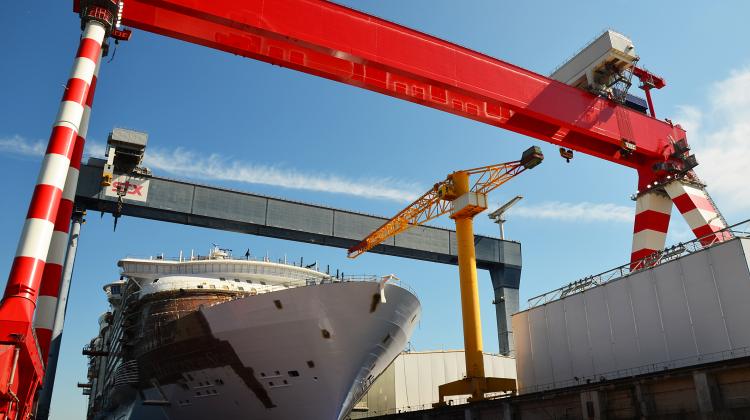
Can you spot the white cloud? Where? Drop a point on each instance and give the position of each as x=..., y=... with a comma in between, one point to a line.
x=720, y=138
x=575, y=212
x=186, y=163
x=19, y=146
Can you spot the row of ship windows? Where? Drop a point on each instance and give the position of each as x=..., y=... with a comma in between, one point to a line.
x=216, y=268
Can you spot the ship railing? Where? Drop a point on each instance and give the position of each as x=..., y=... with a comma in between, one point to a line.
x=243, y=287
x=739, y=230
x=700, y=359
x=372, y=278
x=283, y=261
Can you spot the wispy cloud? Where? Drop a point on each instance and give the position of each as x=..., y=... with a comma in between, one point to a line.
x=187, y=163
x=19, y=146
x=575, y=212
x=719, y=135
x=215, y=167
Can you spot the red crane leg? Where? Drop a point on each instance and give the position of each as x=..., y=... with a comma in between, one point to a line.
x=50, y=287
x=652, y=213
x=19, y=302
x=699, y=212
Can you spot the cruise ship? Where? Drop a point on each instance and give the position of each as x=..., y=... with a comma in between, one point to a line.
x=219, y=337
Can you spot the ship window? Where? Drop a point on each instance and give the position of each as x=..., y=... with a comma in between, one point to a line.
x=213, y=287
x=278, y=373
x=293, y=373
x=310, y=364
x=263, y=374
x=326, y=333
x=198, y=393
x=200, y=286
x=241, y=288
x=222, y=278
x=263, y=283
x=285, y=382
x=270, y=383
x=249, y=281
x=237, y=280
x=278, y=306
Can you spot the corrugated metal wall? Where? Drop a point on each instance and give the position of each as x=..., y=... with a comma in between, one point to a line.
x=685, y=312
x=411, y=381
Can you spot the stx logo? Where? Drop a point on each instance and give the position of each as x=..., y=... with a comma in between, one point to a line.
x=128, y=188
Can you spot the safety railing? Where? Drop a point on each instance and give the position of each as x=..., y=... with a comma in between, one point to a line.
x=741, y=229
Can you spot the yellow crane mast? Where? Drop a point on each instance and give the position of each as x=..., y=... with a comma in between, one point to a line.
x=455, y=195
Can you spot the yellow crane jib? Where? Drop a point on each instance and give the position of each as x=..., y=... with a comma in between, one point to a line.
x=442, y=198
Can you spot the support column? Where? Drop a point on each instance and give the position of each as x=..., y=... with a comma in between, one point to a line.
x=699, y=211
x=467, y=268
x=593, y=405
x=50, y=286
x=652, y=213
x=506, y=281
x=45, y=397
x=25, y=277
x=22, y=289
x=704, y=394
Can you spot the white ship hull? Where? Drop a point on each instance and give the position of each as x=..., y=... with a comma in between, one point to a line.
x=301, y=353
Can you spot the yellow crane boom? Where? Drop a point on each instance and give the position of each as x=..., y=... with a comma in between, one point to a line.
x=439, y=200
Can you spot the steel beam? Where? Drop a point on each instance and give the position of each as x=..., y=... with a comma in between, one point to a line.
x=342, y=44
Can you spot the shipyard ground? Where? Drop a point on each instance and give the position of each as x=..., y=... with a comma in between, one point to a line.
x=719, y=390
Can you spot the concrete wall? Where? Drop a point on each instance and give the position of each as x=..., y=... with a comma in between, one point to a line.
x=685, y=312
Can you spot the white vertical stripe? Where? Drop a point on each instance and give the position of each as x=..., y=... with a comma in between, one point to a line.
x=94, y=30
x=677, y=188
x=35, y=239
x=70, y=112
x=71, y=183
x=54, y=170
x=57, y=247
x=649, y=239
x=45, y=312
x=698, y=217
x=654, y=202
x=83, y=68
x=83, y=130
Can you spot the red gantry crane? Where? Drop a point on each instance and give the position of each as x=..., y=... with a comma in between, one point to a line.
x=455, y=195
x=332, y=41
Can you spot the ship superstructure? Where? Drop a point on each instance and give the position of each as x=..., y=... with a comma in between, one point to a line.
x=217, y=336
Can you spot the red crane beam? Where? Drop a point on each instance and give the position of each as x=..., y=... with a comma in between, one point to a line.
x=332, y=41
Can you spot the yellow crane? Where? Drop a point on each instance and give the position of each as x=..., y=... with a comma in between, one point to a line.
x=455, y=195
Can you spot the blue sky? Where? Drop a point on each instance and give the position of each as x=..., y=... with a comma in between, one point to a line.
x=230, y=121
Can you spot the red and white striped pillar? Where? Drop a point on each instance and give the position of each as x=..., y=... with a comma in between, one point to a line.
x=652, y=213
x=25, y=276
x=49, y=289
x=699, y=211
